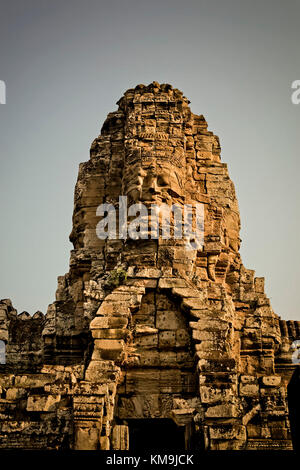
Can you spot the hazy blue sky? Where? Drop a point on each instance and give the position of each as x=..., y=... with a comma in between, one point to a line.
x=66, y=63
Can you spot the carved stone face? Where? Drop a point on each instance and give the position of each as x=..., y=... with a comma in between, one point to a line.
x=154, y=181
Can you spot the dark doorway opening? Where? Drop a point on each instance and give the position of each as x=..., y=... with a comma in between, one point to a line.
x=294, y=407
x=155, y=434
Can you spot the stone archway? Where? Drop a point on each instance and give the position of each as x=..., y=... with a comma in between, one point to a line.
x=159, y=391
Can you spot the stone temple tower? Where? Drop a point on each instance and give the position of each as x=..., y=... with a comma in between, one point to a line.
x=152, y=344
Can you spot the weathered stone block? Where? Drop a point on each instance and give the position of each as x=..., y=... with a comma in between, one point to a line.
x=271, y=381
x=15, y=393
x=146, y=341
x=222, y=411
x=222, y=365
x=212, y=394
x=110, y=333
x=149, y=358
x=249, y=390
x=167, y=283
x=167, y=358
x=167, y=339
x=87, y=438
x=40, y=403
x=108, y=322
x=169, y=320
x=120, y=437
x=110, y=349
x=229, y=431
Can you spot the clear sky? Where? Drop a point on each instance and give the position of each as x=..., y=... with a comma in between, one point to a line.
x=66, y=63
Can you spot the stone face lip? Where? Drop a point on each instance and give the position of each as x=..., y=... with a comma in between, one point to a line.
x=144, y=330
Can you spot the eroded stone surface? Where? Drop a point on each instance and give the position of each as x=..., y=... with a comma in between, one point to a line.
x=188, y=335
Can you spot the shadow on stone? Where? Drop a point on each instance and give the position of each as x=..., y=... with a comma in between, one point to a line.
x=294, y=408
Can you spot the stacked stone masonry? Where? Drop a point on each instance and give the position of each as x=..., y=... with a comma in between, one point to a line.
x=185, y=335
